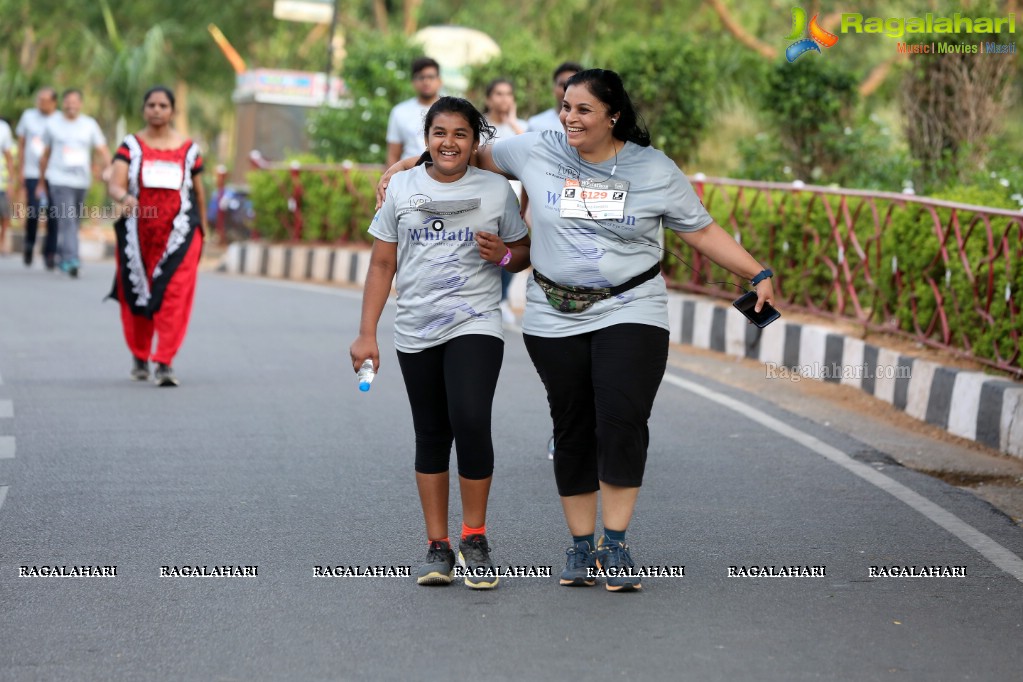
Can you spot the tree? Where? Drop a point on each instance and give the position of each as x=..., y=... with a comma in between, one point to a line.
x=376, y=73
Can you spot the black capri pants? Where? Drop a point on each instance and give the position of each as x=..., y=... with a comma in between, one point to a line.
x=601, y=388
x=451, y=391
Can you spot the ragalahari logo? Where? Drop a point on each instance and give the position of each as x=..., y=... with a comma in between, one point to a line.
x=818, y=36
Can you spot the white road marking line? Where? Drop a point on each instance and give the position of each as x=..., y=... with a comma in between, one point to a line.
x=6, y=447
x=988, y=548
x=3, y=495
x=6, y=409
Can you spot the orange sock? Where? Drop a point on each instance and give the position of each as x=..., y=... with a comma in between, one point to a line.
x=466, y=531
x=446, y=541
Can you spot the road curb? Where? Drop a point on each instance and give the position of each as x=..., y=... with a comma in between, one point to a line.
x=973, y=405
x=976, y=406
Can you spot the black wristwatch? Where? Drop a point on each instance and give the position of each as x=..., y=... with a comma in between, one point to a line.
x=761, y=276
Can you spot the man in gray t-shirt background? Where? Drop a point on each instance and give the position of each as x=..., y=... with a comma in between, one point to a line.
x=66, y=168
x=549, y=119
x=405, y=124
x=30, y=131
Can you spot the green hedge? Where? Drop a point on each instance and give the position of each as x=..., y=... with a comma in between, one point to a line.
x=892, y=272
x=337, y=206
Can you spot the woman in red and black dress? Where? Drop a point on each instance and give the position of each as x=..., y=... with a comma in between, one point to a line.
x=159, y=239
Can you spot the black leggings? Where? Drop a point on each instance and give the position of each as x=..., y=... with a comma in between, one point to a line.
x=601, y=388
x=451, y=391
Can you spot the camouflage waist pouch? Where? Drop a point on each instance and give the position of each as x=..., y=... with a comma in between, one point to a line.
x=572, y=299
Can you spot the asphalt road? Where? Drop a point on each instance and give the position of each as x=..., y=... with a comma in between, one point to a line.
x=268, y=456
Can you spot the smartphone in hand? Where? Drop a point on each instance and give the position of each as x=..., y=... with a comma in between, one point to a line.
x=748, y=301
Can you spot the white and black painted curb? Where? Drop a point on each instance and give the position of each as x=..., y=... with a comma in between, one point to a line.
x=980, y=407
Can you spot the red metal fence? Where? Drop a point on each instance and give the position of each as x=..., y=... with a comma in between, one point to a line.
x=944, y=274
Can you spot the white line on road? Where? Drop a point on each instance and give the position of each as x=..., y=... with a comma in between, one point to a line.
x=6, y=447
x=988, y=548
x=3, y=495
x=6, y=409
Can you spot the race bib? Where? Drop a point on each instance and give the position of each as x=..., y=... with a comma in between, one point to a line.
x=604, y=200
x=36, y=146
x=75, y=156
x=162, y=175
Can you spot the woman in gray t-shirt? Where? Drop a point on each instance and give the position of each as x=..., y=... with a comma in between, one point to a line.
x=447, y=229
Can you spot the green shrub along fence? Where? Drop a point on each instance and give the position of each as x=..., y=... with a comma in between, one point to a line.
x=945, y=271
x=314, y=202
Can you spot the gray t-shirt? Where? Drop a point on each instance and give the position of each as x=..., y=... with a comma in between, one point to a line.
x=444, y=288
x=504, y=130
x=545, y=120
x=405, y=125
x=598, y=253
x=31, y=126
x=71, y=144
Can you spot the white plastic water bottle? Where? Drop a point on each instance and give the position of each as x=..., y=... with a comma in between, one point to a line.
x=366, y=374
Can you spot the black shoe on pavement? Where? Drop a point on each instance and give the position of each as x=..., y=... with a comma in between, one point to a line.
x=164, y=375
x=474, y=558
x=440, y=563
x=139, y=369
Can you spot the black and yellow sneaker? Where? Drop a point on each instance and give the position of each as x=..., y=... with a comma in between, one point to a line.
x=615, y=563
x=440, y=563
x=474, y=558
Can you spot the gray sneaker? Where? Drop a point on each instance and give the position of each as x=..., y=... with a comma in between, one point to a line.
x=139, y=369
x=615, y=561
x=164, y=376
x=580, y=566
x=474, y=558
x=440, y=563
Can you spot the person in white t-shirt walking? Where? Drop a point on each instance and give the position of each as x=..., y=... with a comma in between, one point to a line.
x=405, y=124
x=30, y=131
x=65, y=170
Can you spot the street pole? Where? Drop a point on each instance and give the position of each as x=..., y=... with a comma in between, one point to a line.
x=330, y=49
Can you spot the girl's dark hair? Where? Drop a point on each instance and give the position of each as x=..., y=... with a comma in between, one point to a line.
x=608, y=88
x=490, y=90
x=155, y=89
x=482, y=131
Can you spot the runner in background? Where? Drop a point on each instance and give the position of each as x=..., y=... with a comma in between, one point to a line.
x=549, y=119
x=72, y=141
x=30, y=131
x=159, y=239
x=405, y=124
x=500, y=112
